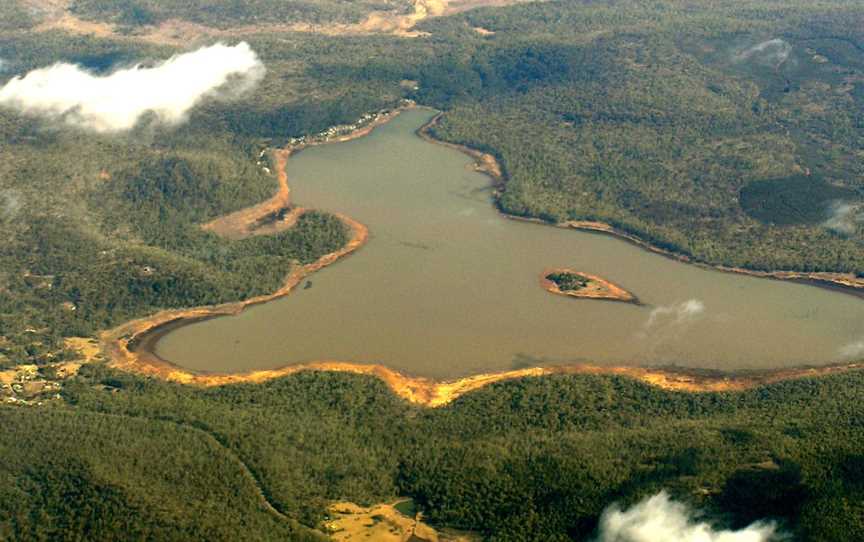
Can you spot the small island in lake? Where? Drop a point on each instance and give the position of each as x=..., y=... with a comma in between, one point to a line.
x=577, y=284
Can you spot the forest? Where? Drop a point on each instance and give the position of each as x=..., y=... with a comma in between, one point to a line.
x=568, y=282
x=532, y=459
x=727, y=132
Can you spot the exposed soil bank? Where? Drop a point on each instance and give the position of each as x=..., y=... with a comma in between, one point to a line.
x=484, y=162
x=596, y=287
x=242, y=223
x=56, y=15
x=254, y=220
x=429, y=393
x=383, y=523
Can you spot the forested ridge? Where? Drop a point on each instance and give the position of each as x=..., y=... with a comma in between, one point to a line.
x=673, y=120
x=533, y=459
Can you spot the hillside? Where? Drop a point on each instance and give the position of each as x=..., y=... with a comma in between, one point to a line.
x=534, y=459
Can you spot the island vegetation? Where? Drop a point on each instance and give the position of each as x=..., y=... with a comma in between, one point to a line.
x=568, y=281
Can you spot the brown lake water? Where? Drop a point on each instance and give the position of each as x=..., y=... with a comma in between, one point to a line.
x=447, y=287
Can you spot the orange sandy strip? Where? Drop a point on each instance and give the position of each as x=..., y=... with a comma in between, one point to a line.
x=430, y=393
x=239, y=224
x=598, y=287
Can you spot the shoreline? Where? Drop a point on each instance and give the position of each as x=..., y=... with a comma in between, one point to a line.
x=430, y=393
x=254, y=220
x=129, y=346
x=488, y=164
x=841, y=282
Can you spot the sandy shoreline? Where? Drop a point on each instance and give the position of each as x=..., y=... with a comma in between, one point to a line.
x=127, y=347
x=430, y=393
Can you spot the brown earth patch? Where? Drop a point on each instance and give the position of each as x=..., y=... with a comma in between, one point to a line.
x=88, y=350
x=381, y=523
x=458, y=6
x=55, y=16
x=74, y=25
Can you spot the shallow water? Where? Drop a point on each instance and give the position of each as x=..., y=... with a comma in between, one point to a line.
x=448, y=287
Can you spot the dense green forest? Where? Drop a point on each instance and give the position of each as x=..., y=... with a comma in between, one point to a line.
x=535, y=459
x=731, y=132
x=568, y=282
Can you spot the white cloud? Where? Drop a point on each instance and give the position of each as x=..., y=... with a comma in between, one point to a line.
x=845, y=217
x=660, y=519
x=116, y=102
x=676, y=314
x=772, y=52
x=10, y=203
x=853, y=350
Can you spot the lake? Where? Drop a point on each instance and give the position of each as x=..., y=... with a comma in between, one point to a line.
x=448, y=287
